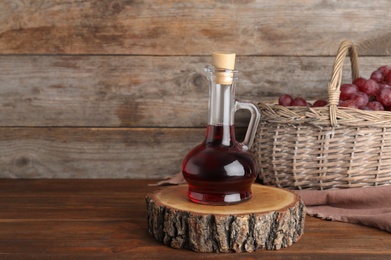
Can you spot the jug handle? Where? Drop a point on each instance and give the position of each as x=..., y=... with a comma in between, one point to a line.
x=253, y=124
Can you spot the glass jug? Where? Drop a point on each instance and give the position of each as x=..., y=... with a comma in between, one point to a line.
x=221, y=170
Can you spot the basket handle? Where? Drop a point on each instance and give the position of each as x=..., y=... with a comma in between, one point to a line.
x=336, y=77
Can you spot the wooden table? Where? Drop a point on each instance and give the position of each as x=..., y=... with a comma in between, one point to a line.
x=106, y=219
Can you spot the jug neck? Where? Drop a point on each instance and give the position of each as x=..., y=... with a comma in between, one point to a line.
x=221, y=95
x=221, y=106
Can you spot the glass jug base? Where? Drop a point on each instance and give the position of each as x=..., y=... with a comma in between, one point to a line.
x=218, y=198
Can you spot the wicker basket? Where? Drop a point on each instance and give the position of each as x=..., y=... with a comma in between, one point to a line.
x=324, y=147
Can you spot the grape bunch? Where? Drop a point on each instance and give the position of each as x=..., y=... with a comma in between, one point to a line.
x=368, y=94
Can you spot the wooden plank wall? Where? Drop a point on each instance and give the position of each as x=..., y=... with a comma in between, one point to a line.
x=115, y=88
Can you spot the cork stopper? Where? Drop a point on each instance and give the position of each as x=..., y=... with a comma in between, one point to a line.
x=223, y=60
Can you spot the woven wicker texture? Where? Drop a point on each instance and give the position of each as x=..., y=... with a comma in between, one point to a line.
x=324, y=147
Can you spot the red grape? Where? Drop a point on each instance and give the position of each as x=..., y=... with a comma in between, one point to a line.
x=385, y=69
x=348, y=91
x=370, y=87
x=320, y=103
x=359, y=82
x=377, y=76
x=301, y=102
x=361, y=99
x=348, y=103
x=384, y=96
x=387, y=78
x=285, y=100
x=384, y=85
x=374, y=106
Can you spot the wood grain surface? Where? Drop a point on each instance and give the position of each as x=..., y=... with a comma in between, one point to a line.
x=107, y=219
x=95, y=152
x=155, y=27
x=138, y=91
x=118, y=64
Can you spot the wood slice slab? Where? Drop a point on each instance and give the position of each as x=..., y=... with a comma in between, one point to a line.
x=272, y=219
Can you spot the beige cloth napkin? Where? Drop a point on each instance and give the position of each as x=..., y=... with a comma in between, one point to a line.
x=370, y=206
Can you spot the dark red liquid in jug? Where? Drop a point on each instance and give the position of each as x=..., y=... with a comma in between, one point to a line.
x=219, y=171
